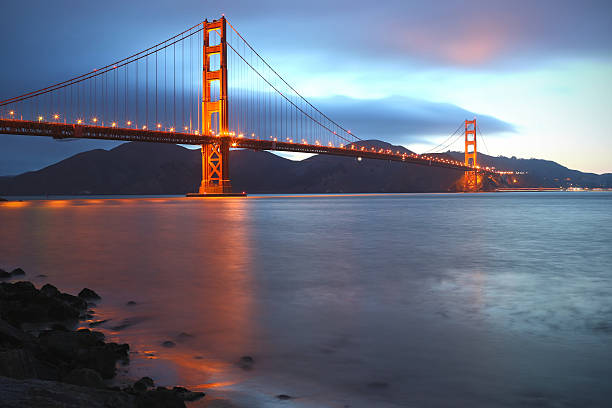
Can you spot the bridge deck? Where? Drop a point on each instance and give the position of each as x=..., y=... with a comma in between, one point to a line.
x=70, y=131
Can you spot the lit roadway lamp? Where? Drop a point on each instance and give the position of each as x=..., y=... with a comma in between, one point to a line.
x=12, y=113
x=129, y=123
x=95, y=120
x=40, y=118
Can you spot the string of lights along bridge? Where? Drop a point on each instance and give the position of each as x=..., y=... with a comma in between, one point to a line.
x=204, y=86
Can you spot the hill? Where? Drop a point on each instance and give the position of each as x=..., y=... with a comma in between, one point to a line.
x=147, y=168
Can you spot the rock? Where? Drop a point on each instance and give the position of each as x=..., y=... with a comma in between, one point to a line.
x=83, y=349
x=246, y=362
x=97, y=323
x=159, y=398
x=247, y=359
x=49, y=290
x=21, y=302
x=186, y=395
x=283, y=397
x=18, y=272
x=11, y=336
x=87, y=293
x=17, y=363
x=52, y=394
x=22, y=363
x=4, y=274
x=84, y=377
x=41, y=276
x=131, y=303
x=143, y=385
x=168, y=344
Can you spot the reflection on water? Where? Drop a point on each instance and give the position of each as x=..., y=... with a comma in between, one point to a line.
x=349, y=300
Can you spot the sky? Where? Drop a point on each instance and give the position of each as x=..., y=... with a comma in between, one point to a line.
x=536, y=74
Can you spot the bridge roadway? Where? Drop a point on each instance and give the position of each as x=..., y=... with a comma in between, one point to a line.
x=73, y=131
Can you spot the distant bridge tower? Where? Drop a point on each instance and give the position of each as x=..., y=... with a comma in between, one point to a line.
x=215, y=156
x=471, y=177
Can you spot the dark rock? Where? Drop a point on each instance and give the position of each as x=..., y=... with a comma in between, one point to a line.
x=84, y=377
x=23, y=363
x=52, y=394
x=142, y=385
x=49, y=290
x=131, y=303
x=4, y=274
x=168, y=343
x=283, y=397
x=159, y=398
x=18, y=272
x=87, y=293
x=11, y=336
x=59, y=327
x=73, y=301
x=246, y=362
x=97, y=323
x=247, y=359
x=186, y=395
x=41, y=276
x=83, y=349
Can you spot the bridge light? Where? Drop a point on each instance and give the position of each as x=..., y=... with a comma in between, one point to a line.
x=186, y=128
x=159, y=125
x=40, y=118
x=95, y=120
x=252, y=134
x=197, y=132
x=11, y=113
x=129, y=123
x=113, y=124
x=79, y=121
x=172, y=129
x=144, y=127
x=56, y=116
x=234, y=144
x=241, y=135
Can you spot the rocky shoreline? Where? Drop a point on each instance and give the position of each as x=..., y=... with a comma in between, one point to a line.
x=45, y=364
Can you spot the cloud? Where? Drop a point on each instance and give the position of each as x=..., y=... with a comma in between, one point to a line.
x=403, y=120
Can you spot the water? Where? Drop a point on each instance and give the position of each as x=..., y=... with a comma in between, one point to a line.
x=433, y=300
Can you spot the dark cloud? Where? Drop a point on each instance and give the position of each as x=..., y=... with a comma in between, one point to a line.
x=403, y=120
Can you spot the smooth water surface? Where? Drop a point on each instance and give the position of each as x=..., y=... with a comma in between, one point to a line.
x=433, y=300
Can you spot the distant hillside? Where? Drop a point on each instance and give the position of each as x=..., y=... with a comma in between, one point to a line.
x=147, y=168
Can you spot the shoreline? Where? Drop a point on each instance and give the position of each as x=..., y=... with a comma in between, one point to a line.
x=44, y=361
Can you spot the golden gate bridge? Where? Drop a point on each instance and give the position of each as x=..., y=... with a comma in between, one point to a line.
x=205, y=86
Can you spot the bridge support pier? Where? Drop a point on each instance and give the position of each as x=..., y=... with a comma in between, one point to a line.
x=215, y=168
x=215, y=171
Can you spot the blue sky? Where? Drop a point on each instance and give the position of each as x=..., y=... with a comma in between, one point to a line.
x=538, y=74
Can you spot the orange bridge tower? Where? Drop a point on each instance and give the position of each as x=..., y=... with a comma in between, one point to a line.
x=471, y=154
x=215, y=156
